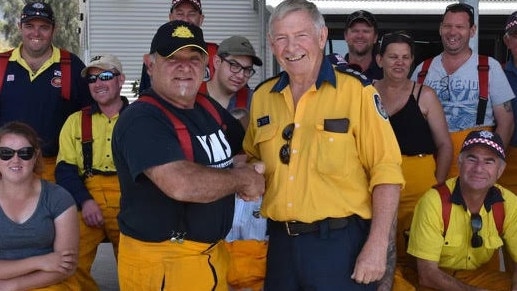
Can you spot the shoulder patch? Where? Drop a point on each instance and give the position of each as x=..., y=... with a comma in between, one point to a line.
x=378, y=105
x=345, y=68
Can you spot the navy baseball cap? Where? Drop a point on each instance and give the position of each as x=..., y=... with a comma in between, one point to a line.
x=175, y=35
x=488, y=139
x=38, y=10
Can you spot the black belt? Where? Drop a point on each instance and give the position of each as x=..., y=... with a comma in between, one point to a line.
x=101, y=173
x=295, y=228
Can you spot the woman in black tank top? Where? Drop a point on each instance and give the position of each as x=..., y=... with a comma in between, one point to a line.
x=418, y=121
x=415, y=113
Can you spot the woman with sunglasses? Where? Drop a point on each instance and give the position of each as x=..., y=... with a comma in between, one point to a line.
x=419, y=124
x=39, y=234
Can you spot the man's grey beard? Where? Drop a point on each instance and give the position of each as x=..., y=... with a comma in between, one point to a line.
x=183, y=89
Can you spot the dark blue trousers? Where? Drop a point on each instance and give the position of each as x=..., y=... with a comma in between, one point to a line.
x=318, y=261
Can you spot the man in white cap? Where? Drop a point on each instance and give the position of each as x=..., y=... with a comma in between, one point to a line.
x=85, y=164
x=173, y=150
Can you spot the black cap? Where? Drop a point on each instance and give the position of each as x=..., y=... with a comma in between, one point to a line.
x=175, y=35
x=39, y=10
x=361, y=15
x=195, y=3
x=489, y=139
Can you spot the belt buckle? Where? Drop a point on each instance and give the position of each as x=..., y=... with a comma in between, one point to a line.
x=289, y=230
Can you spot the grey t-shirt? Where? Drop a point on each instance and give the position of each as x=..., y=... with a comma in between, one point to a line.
x=36, y=235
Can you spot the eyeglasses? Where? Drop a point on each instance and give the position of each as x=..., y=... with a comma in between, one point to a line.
x=444, y=92
x=237, y=68
x=476, y=223
x=285, y=150
x=25, y=153
x=104, y=76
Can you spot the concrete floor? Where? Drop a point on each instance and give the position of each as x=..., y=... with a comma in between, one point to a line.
x=104, y=269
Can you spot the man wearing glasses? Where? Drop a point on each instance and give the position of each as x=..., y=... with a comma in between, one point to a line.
x=85, y=164
x=458, y=76
x=228, y=86
x=453, y=248
x=41, y=85
x=233, y=68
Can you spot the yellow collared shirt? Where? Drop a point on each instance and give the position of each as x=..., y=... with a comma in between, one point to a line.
x=332, y=172
x=70, y=142
x=54, y=58
x=454, y=251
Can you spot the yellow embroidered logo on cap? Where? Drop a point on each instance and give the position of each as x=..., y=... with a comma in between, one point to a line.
x=182, y=32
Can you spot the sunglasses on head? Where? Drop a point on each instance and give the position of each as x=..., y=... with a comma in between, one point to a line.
x=104, y=76
x=455, y=7
x=25, y=153
x=35, y=13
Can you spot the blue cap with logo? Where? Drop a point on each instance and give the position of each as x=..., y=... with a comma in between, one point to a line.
x=37, y=10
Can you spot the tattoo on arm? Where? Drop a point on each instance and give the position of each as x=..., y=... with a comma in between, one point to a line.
x=386, y=283
x=507, y=106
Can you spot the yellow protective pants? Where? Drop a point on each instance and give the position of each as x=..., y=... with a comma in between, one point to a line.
x=483, y=278
x=457, y=139
x=509, y=177
x=49, y=167
x=418, y=172
x=105, y=190
x=247, y=267
x=171, y=266
x=69, y=284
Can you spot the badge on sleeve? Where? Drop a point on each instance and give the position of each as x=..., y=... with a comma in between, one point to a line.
x=379, y=107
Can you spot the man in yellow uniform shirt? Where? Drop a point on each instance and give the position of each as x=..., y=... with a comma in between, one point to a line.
x=333, y=173
x=453, y=251
x=85, y=164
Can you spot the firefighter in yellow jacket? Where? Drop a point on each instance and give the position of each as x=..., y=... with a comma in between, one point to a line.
x=85, y=165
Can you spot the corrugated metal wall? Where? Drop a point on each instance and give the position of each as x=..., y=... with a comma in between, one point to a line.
x=125, y=28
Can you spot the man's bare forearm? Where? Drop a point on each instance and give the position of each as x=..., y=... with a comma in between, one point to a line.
x=190, y=182
x=386, y=283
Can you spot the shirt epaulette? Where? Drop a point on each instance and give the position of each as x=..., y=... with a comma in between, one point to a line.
x=344, y=68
